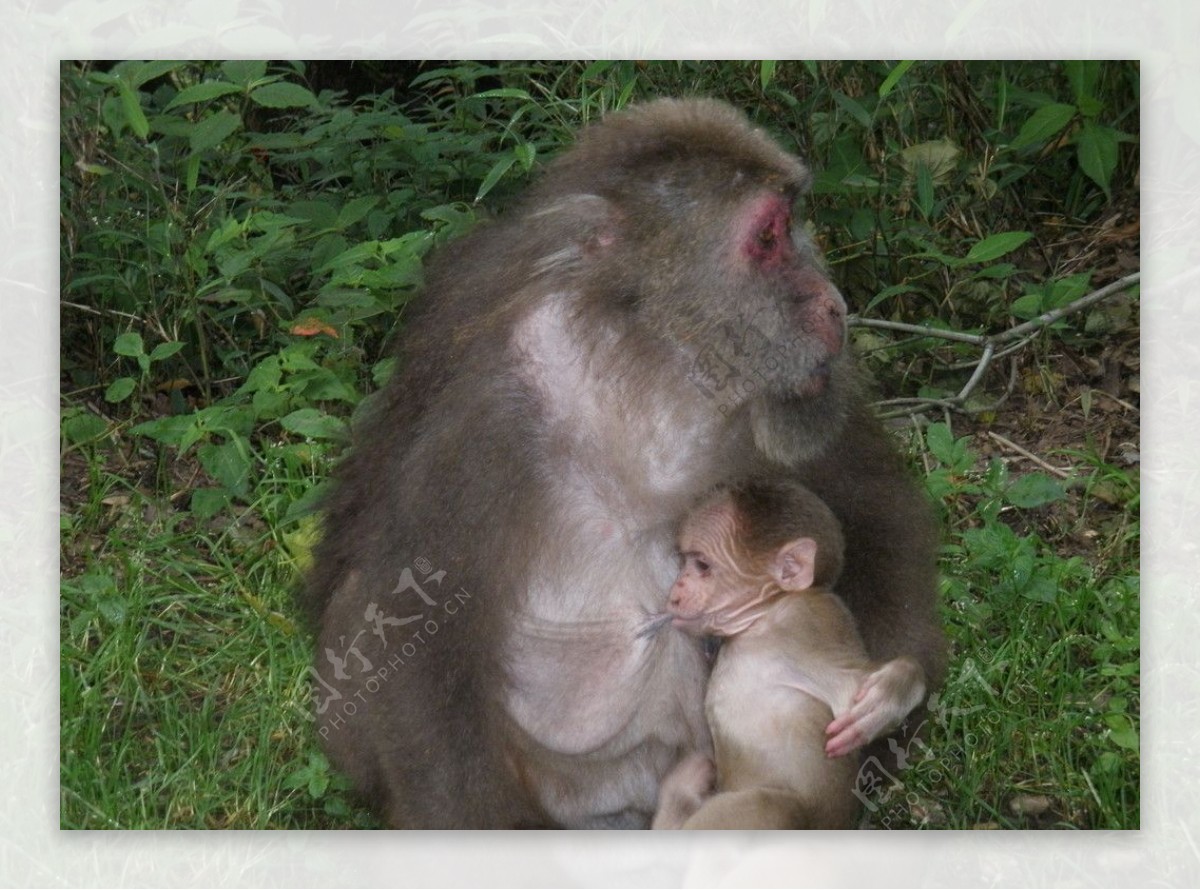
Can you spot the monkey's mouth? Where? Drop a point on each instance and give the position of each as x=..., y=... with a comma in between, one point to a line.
x=691, y=624
x=817, y=380
x=653, y=624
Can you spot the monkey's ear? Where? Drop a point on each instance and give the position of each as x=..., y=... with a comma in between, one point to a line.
x=590, y=223
x=794, y=566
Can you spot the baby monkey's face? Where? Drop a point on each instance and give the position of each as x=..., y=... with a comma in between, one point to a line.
x=717, y=581
x=721, y=587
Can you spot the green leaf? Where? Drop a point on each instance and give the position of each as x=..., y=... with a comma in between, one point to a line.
x=130, y=344
x=1041, y=589
x=269, y=404
x=356, y=210
x=1001, y=102
x=893, y=78
x=1026, y=307
x=939, y=156
x=120, y=389
x=208, y=502
x=308, y=504
x=96, y=585
x=321, y=214
x=148, y=71
x=382, y=370
x=995, y=246
x=860, y=181
x=134, y=116
x=168, y=430
x=525, y=153
x=1034, y=490
x=317, y=784
x=1096, y=149
x=1121, y=731
x=190, y=434
x=224, y=233
x=950, y=452
x=596, y=70
x=283, y=95
x=214, y=129
x=887, y=293
x=924, y=191
x=243, y=70
x=114, y=609
x=263, y=376
x=192, y=173
x=504, y=93
x=165, y=350
x=853, y=108
x=1066, y=290
x=1000, y=270
x=493, y=176
x=766, y=72
x=1044, y=123
x=299, y=778
x=83, y=427
x=1083, y=75
x=227, y=463
x=312, y=423
x=203, y=92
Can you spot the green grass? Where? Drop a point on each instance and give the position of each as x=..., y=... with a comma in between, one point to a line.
x=1037, y=723
x=184, y=691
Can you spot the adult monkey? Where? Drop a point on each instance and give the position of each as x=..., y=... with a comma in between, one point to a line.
x=647, y=325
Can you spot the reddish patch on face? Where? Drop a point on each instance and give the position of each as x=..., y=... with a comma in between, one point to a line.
x=766, y=235
x=763, y=233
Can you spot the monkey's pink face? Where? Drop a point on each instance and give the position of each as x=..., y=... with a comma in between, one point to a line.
x=709, y=598
x=714, y=593
x=695, y=595
x=781, y=263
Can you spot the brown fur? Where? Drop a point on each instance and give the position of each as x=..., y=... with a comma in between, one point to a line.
x=540, y=443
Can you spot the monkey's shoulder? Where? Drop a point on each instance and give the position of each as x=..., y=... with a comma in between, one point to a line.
x=814, y=621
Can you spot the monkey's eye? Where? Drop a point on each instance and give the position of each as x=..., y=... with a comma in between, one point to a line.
x=766, y=237
x=702, y=567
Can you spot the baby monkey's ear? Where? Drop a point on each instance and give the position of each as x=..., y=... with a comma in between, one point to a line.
x=795, y=564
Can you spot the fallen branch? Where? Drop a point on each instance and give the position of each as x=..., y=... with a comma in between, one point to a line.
x=1029, y=455
x=1012, y=339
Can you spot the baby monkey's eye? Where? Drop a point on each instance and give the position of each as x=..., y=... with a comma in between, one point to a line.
x=702, y=567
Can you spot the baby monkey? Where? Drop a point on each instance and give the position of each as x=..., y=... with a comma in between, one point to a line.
x=793, y=690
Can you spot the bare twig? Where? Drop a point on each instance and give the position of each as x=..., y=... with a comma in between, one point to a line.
x=855, y=321
x=1029, y=455
x=94, y=311
x=1048, y=318
x=1022, y=333
x=1124, y=404
x=152, y=322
